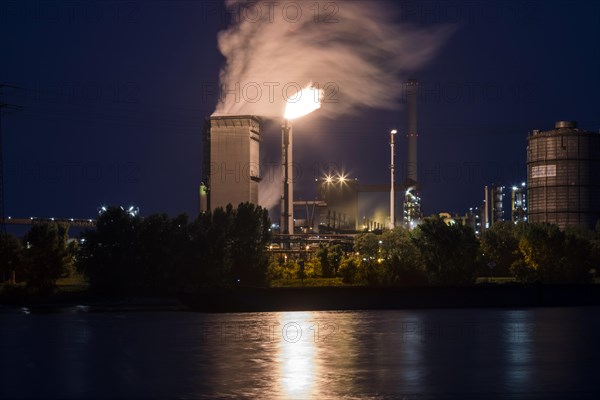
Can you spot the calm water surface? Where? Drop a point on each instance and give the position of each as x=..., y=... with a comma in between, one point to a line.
x=466, y=354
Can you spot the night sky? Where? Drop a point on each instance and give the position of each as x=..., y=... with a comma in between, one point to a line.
x=114, y=101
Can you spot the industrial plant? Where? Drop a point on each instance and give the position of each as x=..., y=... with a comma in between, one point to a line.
x=562, y=187
x=231, y=174
x=339, y=195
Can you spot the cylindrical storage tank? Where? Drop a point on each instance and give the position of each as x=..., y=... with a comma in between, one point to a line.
x=563, y=179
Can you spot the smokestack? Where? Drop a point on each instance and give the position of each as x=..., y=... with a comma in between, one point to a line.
x=286, y=222
x=392, y=179
x=411, y=133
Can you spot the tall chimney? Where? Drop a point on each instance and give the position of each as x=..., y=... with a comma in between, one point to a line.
x=286, y=220
x=393, y=181
x=411, y=133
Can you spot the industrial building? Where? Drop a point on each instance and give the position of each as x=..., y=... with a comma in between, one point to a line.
x=518, y=201
x=231, y=171
x=563, y=183
x=493, y=206
x=340, y=193
x=472, y=219
x=491, y=211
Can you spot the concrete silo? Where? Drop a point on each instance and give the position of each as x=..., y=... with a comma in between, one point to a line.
x=231, y=161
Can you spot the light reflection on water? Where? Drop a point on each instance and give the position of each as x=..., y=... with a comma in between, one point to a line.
x=417, y=354
x=518, y=326
x=297, y=355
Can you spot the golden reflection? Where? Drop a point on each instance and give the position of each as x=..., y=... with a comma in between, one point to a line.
x=297, y=355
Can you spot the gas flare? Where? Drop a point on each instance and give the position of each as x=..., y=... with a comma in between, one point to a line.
x=359, y=52
x=303, y=102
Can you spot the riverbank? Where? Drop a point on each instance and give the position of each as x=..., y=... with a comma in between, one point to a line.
x=85, y=301
x=381, y=298
x=319, y=298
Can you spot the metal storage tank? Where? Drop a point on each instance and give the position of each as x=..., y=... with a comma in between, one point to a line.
x=563, y=176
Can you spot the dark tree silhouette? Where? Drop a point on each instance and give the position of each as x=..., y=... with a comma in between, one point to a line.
x=450, y=252
x=11, y=253
x=46, y=256
x=108, y=254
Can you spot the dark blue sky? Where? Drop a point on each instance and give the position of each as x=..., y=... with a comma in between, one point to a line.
x=114, y=109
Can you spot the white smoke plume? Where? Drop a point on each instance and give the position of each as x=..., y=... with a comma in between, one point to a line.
x=269, y=191
x=353, y=49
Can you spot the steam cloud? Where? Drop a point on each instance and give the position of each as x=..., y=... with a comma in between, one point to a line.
x=269, y=193
x=355, y=50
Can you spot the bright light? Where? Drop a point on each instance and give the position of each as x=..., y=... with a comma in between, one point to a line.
x=298, y=374
x=329, y=179
x=303, y=102
x=514, y=188
x=342, y=178
x=394, y=131
x=132, y=211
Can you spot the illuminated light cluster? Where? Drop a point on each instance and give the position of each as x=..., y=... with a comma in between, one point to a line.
x=339, y=178
x=131, y=210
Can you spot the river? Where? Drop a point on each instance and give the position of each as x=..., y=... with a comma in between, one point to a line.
x=421, y=354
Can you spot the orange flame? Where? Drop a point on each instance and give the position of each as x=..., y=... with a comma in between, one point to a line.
x=303, y=102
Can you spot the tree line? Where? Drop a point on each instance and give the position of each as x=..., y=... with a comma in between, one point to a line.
x=156, y=255
x=42, y=256
x=436, y=253
x=127, y=255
